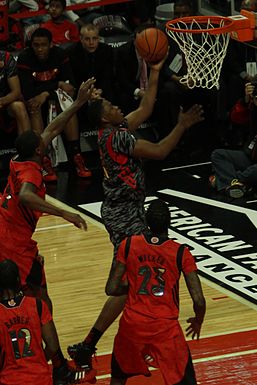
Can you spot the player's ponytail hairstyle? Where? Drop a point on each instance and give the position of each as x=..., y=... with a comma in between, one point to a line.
x=9, y=276
x=94, y=112
x=158, y=217
x=26, y=144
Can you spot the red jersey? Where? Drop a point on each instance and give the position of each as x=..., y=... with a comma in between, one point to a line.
x=22, y=357
x=63, y=32
x=18, y=222
x=15, y=215
x=153, y=270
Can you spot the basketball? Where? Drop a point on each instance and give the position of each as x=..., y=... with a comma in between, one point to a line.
x=151, y=44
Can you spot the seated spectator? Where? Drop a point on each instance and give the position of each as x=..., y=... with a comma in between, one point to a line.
x=10, y=92
x=28, y=6
x=90, y=58
x=235, y=171
x=79, y=16
x=44, y=68
x=25, y=5
x=63, y=30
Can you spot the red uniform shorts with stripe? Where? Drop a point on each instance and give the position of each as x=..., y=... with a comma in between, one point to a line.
x=168, y=349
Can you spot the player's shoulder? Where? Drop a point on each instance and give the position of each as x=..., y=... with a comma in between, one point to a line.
x=24, y=166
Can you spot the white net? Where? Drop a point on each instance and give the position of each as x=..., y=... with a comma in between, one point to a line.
x=204, y=52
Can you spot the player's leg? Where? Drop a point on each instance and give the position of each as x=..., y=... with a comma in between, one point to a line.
x=170, y=353
x=118, y=377
x=117, y=381
x=73, y=149
x=119, y=225
x=18, y=110
x=36, y=282
x=82, y=352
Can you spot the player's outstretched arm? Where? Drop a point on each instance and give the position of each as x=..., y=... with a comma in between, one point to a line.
x=196, y=293
x=59, y=123
x=158, y=151
x=115, y=286
x=29, y=198
x=145, y=109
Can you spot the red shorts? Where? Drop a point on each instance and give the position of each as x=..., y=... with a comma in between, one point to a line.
x=23, y=250
x=167, y=347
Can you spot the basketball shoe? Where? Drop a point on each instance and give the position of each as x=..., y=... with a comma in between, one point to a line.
x=236, y=189
x=82, y=170
x=82, y=354
x=68, y=374
x=49, y=174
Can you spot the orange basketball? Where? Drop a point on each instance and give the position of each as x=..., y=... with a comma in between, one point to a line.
x=151, y=44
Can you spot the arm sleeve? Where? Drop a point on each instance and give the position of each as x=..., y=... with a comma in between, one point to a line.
x=188, y=262
x=123, y=141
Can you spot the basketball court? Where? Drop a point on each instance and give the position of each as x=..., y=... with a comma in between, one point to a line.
x=77, y=265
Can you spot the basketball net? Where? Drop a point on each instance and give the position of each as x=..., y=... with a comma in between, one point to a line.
x=204, y=40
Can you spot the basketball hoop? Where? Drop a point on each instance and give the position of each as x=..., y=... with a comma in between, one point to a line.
x=203, y=41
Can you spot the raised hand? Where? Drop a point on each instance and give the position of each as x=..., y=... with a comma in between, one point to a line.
x=76, y=219
x=85, y=90
x=158, y=66
x=96, y=93
x=192, y=116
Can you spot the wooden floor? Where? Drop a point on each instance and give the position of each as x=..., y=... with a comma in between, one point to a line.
x=77, y=265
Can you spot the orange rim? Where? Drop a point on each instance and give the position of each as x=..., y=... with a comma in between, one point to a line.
x=226, y=28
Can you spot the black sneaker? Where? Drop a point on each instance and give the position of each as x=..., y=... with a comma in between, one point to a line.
x=70, y=375
x=82, y=354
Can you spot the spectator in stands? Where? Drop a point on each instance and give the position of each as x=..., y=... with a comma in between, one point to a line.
x=44, y=68
x=63, y=31
x=173, y=94
x=83, y=15
x=10, y=93
x=239, y=67
x=250, y=5
x=182, y=9
x=90, y=58
x=25, y=5
x=28, y=6
x=235, y=171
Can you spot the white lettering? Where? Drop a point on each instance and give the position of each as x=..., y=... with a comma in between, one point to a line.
x=250, y=260
x=235, y=245
x=213, y=240
x=239, y=278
